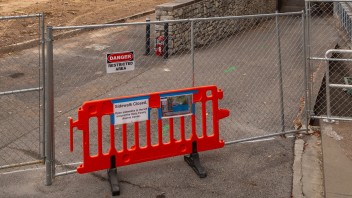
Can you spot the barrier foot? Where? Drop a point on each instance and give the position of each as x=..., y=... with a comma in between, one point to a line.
x=194, y=162
x=114, y=182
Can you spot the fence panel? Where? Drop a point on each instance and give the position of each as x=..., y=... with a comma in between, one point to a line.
x=256, y=66
x=80, y=75
x=21, y=96
x=329, y=28
x=259, y=63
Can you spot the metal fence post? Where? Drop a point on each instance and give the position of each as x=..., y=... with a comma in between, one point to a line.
x=49, y=108
x=327, y=87
x=192, y=50
x=42, y=140
x=280, y=75
x=307, y=47
x=306, y=72
x=166, y=41
x=147, y=37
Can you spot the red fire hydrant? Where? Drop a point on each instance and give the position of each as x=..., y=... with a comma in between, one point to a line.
x=159, y=51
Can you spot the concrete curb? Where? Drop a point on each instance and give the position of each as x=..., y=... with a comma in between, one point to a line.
x=297, y=186
x=312, y=173
x=307, y=171
x=36, y=42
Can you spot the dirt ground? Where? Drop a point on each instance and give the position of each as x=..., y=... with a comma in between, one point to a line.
x=63, y=13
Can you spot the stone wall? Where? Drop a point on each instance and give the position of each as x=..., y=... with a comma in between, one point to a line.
x=206, y=31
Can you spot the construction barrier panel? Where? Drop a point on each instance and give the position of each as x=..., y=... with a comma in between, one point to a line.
x=171, y=105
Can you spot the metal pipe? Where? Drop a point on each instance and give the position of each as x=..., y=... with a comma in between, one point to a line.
x=49, y=108
x=330, y=59
x=327, y=89
x=327, y=53
x=147, y=37
x=40, y=98
x=307, y=35
x=21, y=164
x=263, y=137
x=192, y=51
x=327, y=0
x=65, y=173
x=177, y=21
x=42, y=141
x=20, y=91
x=306, y=76
x=166, y=41
x=19, y=17
x=282, y=110
x=333, y=118
x=340, y=86
x=327, y=78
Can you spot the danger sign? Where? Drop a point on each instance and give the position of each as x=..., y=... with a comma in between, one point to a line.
x=119, y=62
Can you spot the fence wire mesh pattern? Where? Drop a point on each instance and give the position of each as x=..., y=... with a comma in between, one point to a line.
x=329, y=27
x=20, y=95
x=80, y=75
x=259, y=66
x=256, y=67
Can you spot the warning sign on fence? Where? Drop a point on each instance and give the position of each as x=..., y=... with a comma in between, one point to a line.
x=131, y=110
x=119, y=62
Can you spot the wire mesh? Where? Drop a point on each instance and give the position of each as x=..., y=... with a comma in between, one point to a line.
x=80, y=75
x=20, y=72
x=244, y=62
x=330, y=28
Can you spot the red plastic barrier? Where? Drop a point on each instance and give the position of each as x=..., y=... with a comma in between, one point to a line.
x=136, y=153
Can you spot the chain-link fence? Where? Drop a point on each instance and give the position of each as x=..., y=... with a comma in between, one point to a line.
x=329, y=28
x=257, y=60
x=260, y=68
x=21, y=95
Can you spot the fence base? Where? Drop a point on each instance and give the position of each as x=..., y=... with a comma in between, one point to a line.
x=194, y=162
x=114, y=182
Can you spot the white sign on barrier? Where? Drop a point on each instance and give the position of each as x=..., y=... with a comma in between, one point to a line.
x=134, y=110
x=120, y=62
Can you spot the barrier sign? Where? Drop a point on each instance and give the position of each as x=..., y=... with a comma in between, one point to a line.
x=175, y=106
x=120, y=62
x=131, y=110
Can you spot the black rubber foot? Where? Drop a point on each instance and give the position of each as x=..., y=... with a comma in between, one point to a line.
x=194, y=162
x=114, y=182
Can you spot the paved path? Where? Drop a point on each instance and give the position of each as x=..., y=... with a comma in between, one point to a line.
x=337, y=152
x=260, y=169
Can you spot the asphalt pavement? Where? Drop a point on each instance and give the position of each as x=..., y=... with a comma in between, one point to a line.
x=260, y=169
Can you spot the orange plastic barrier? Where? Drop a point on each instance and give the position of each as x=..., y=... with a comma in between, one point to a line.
x=171, y=105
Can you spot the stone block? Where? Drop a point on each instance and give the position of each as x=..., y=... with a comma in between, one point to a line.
x=180, y=9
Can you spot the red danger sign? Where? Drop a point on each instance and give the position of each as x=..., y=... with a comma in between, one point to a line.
x=120, y=57
x=119, y=62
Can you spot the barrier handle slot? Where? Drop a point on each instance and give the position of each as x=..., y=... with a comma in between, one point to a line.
x=71, y=134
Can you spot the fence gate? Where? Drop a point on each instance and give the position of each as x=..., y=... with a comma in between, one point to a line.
x=329, y=36
x=21, y=95
x=258, y=60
